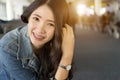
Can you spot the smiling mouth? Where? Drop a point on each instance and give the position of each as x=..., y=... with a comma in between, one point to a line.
x=38, y=37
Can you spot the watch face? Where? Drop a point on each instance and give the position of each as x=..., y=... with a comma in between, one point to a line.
x=68, y=67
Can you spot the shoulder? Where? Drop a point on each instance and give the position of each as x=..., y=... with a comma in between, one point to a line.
x=10, y=41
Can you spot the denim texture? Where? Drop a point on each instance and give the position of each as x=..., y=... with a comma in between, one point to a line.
x=18, y=61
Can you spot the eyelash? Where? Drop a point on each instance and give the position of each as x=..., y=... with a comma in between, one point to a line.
x=36, y=19
x=51, y=24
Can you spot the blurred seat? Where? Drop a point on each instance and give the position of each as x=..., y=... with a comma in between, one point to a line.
x=6, y=26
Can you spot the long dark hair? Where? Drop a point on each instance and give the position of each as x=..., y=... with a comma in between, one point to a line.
x=51, y=53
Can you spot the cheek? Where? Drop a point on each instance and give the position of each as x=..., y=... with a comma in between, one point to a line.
x=51, y=32
x=30, y=24
x=30, y=28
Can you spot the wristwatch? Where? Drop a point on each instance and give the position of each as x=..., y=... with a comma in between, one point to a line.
x=68, y=67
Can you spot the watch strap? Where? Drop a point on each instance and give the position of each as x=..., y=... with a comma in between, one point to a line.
x=68, y=67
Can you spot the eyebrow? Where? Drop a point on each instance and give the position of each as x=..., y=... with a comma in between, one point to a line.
x=41, y=17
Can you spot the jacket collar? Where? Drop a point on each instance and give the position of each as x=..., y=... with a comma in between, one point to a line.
x=25, y=51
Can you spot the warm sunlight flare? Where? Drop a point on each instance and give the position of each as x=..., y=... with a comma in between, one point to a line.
x=102, y=11
x=81, y=9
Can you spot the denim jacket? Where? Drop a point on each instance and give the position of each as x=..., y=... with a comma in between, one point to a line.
x=17, y=60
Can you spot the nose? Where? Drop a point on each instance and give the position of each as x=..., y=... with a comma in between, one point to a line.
x=41, y=28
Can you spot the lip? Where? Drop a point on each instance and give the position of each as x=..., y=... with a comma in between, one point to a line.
x=38, y=37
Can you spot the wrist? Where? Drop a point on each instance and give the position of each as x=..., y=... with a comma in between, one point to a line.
x=59, y=79
x=65, y=67
x=66, y=60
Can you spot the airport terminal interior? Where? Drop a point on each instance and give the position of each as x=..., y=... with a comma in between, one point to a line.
x=97, y=35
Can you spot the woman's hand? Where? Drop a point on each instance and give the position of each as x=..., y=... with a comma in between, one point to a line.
x=68, y=41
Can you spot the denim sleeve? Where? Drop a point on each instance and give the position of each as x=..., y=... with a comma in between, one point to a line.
x=13, y=68
x=4, y=75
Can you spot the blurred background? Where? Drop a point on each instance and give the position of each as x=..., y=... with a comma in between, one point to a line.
x=12, y=9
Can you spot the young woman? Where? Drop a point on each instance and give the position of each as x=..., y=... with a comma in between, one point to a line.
x=43, y=49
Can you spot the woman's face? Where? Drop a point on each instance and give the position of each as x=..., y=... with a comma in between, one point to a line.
x=41, y=26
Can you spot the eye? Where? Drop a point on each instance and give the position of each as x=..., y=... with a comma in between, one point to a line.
x=51, y=24
x=36, y=18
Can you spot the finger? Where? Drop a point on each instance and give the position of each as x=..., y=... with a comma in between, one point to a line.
x=63, y=31
x=69, y=29
x=68, y=26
